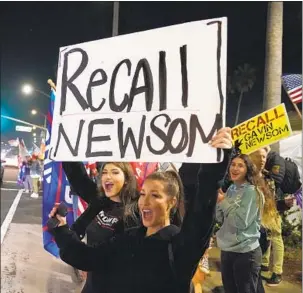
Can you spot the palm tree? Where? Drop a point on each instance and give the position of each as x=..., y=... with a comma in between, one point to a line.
x=242, y=81
x=273, y=59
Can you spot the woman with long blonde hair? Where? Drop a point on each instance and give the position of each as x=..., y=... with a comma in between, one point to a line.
x=271, y=220
x=270, y=217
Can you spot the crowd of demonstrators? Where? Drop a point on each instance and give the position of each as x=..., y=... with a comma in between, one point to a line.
x=31, y=171
x=276, y=181
x=277, y=171
x=158, y=256
x=248, y=205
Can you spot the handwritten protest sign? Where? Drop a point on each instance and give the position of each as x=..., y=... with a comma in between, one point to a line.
x=152, y=96
x=262, y=130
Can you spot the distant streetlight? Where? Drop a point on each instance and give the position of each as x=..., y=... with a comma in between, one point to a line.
x=34, y=134
x=27, y=89
x=35, y=112
x=34, y=127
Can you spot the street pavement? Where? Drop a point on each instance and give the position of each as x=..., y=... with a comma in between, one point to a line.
x=25, y=266
x=8, y=190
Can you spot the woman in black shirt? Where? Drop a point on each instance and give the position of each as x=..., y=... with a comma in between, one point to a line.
x=119, y=185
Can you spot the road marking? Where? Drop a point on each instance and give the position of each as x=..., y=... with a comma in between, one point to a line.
x=10, y=189
x=10, y=182
x=9, y=217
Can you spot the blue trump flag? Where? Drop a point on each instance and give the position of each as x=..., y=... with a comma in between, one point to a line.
x=56, y=188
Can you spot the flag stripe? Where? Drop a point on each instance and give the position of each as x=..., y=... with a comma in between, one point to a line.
x=293, y=87
x=298, y=100
x=299, y=88
x=80, y=206
x=297, y=95
x=59, y=184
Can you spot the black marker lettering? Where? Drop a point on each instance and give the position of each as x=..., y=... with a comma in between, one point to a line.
x=130, y=136
x=161, y=134
x=162, y=81
x=112, y=103
x=183, y=58
x=193, y=126
x=68, y=83
x=219, y=45
x=91, y=139
x=93, y=83
x=61, y=132
x=148, y=87
x=184, y=138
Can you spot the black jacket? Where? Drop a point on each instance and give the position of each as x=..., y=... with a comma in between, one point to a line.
x=275, y=165
x=80, y=182
x=133, y=263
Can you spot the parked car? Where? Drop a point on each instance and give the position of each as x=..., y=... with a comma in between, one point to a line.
x=11, y=161
x=2, y=172
x=11, y=158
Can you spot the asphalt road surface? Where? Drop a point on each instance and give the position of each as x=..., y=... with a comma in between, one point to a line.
x=8, y=190
x=25, y=266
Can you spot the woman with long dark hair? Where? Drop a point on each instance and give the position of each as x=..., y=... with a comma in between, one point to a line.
x=159, y=256
x=240, y=212
x=117, y=183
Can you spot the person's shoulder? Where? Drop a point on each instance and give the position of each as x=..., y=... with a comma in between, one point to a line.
x=273, y=156
x=250, y=188
x=135, y=231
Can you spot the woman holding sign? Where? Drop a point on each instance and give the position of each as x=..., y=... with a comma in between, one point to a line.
x=238, y=238
x=158, y=257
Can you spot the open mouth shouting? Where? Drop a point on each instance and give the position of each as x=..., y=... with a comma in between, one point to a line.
x=147, y=215
x=108, y=187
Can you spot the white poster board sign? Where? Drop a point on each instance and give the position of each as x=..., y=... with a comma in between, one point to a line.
x=153, y=96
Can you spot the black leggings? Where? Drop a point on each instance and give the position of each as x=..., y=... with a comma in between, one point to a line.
x=240, y=271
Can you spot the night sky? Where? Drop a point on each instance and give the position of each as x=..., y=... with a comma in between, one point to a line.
x=33, y=32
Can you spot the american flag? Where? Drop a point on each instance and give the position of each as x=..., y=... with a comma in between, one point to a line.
x=293, y=87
